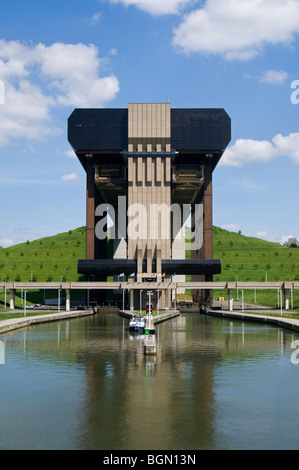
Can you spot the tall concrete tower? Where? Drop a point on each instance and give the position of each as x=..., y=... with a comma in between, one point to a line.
x=146, y=166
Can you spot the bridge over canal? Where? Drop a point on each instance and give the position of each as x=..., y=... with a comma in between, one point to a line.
x=170, y=287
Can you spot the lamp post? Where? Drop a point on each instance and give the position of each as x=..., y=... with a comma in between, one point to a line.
x=25, y=303
x=140, y=301
x=158, y=301
x=149, y=293
x=5, y=293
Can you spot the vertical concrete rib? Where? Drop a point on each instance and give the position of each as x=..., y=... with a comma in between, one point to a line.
x=90, y=212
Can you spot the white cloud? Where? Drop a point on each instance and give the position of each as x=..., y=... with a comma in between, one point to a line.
x=73, y=70
x=285, y=238
x=5, y=242
x=231, y=227
x=156, y=7
x=70, y=154
x=282, y=239
x=248, y=185
x=40, y=78
x=245, y=151
x=71, y=177
x=264, y=235
x=113, y=51
x=237, y=29
x=96, y=18
x=274, y=77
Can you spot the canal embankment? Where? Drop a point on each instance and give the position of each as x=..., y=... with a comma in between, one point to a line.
x=279, y=321
x=156, y=318
x=22, y=322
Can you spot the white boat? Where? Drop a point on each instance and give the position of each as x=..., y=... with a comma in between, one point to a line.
x=137, y=323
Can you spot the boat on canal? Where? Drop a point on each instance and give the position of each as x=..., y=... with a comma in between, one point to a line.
x=137, y=323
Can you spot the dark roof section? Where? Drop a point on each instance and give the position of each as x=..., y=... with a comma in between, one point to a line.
x=106, y=129
x=98, y=129
x=200, y=129
x=111, y=267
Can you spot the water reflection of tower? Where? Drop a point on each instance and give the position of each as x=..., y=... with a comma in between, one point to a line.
x=133, y=402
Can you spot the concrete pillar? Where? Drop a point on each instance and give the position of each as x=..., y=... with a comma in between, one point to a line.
x=132, y=299
x=286, y=295
x=167, y=299
x=68, y=300
x=12, y=293
x=230, y=300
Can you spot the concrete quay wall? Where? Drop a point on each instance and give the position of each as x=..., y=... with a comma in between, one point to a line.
x=16, y=323
x=156, y=319
x=290, y=323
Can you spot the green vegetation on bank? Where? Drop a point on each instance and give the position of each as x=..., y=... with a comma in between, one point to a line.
x=47, y=259
x=242, y=258
x=246, y=259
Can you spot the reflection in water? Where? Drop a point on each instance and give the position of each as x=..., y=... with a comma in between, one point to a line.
x=86, y=384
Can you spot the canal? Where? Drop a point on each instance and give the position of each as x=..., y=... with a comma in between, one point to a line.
x=86, y=384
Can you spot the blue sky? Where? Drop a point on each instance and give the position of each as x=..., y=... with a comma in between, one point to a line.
x=240, y=55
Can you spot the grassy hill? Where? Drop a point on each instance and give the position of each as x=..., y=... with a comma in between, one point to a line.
x=252, y=259
x=243, y=258
x=47, y=259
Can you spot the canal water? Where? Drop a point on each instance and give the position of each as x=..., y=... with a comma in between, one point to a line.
x=86, y=384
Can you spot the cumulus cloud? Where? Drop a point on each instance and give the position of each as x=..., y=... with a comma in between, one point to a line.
x=156, y=7
x=274, y=77
x=5, y=242
x=231, y=227
x=70, y=154
x=237, y=29
x=245, y=151
x=40, y=78
x=264, y=235
x=96, y=18
x=70, y=177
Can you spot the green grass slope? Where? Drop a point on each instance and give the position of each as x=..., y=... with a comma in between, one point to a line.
x=48, y=259
x=243, y=258
x=252, y=259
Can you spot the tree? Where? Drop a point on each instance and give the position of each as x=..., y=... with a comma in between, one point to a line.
x=292, y=242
